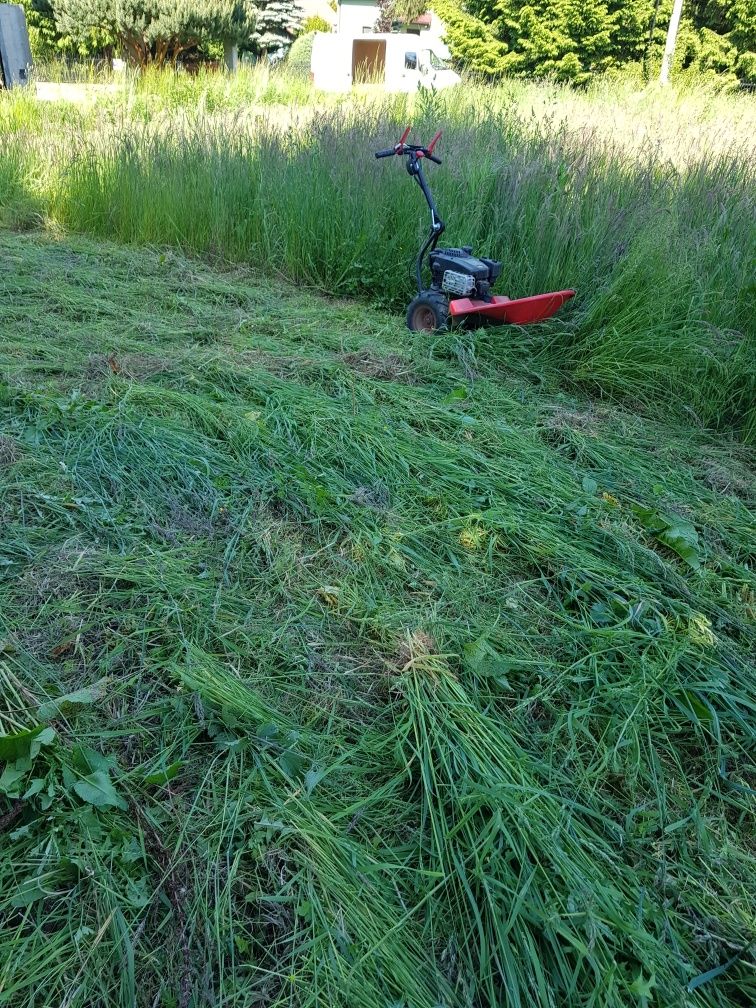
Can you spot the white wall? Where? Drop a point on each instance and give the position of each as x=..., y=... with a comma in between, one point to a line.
x=356, y=18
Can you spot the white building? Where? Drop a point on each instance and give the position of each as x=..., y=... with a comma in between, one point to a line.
x=410, y=56
x=358, y=17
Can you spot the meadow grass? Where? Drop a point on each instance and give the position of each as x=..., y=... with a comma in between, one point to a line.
x=365, y=669
x=642, y=199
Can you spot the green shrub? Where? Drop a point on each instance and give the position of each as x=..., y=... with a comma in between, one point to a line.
x=472, y=42
x=746, y=67
x=299, y=60
x=316, y=23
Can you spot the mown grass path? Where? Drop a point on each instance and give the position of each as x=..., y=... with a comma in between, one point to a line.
x=341, y=667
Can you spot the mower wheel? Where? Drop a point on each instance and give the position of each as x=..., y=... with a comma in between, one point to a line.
x=428, y=312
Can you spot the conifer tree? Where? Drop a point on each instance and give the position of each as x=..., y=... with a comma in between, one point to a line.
x=155, y=31
x=278, y=24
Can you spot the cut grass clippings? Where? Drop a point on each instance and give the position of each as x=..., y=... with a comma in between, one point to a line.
x=323, y=686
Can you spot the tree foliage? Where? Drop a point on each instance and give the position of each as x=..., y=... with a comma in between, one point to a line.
x=397, y=12
x=43, y=35
x=566, y=39
x=155, y=31
x=471, y=40
x=315, y=23
x=574, y=39
x=278, y=24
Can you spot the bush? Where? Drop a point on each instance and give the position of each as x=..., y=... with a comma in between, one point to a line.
x=299, y=60
x=746, y=67
x=43, y=36
x=156, y=33
x=315, y=24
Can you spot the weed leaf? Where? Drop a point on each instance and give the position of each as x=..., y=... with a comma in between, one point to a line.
x=164, y=775
x=674, y=533
x=97, y=789
x=13, y=747
x=49, y=710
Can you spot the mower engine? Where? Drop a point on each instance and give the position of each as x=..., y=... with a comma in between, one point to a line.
x=458, y=272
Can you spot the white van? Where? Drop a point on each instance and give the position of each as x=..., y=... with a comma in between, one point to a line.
x=396, y=61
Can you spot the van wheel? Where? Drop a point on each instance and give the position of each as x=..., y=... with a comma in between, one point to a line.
x=428, y=312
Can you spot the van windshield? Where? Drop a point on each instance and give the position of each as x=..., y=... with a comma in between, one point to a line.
x=436, y=62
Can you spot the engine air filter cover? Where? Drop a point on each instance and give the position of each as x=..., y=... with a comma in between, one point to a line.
x=457, y=283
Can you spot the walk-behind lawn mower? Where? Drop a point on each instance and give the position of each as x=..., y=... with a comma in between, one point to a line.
x=460, y=282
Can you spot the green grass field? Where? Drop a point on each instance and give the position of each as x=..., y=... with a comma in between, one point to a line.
x=347, y=668
x=344, y=668
x=643, y=200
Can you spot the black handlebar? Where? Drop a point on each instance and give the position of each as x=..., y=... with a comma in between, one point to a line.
x=414, y=151
x=405, y=149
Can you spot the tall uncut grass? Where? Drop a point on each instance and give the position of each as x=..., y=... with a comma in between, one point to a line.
x=642, y=201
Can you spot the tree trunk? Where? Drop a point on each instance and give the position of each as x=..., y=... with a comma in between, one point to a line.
x=231, y=56
x=180, y=47
x=135, y=50
x=161, y=51
x=669, y=48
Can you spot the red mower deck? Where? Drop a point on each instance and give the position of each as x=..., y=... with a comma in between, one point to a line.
x=521, y=311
